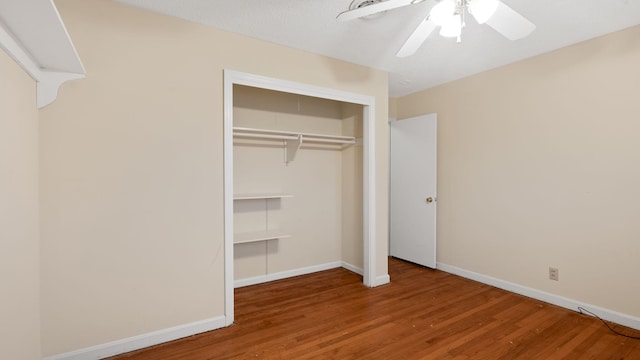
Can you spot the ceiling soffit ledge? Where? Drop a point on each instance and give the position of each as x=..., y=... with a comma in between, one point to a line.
x=33, y=34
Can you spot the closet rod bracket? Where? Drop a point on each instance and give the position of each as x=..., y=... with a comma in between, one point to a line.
x=291, y=148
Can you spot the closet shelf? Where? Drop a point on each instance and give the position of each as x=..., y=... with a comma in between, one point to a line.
x=293, y=140
x=259, y=196
x=247, y=237
x=290, y=135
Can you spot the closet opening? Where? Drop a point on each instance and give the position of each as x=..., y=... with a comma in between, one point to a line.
x=299, y=165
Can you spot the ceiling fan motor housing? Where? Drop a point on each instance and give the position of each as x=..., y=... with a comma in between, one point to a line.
x=357, y=4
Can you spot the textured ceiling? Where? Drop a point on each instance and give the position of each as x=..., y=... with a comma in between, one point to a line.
x=311, y=25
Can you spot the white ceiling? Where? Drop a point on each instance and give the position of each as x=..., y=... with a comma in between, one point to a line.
x=311, y=25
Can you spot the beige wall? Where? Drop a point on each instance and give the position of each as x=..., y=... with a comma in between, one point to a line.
x=393, y=111
x=538, y=167
x=19, y=248
x=352, y=192
x=131, y=170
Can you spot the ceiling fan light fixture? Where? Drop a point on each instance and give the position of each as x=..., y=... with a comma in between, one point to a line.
x=453, y=27
x=443, y=12
x=449, y=15
x=482, y=10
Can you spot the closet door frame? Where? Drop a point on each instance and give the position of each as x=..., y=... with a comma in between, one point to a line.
x=231, y=78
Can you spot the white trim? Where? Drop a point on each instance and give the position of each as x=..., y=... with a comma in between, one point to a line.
x=390, y=121
x=369, y=194
x=352, y=268
x=369, y=202
x=382, y=280
x=228, y=197
x=297, y=272
x=571, y=304
x=264, y=82
x=141, y=341
x=286, y=274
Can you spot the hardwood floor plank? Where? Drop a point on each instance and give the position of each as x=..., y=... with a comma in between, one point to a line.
x=422, y=314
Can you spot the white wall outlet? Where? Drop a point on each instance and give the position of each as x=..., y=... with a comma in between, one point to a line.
x=554, y=274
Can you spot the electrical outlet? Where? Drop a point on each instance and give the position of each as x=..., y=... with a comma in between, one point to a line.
x=554, y=274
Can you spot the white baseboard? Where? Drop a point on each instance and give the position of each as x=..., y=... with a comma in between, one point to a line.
x=610, y=315
x=141, y=341
x=382, y=280
x=286, y=274
x=352, y=268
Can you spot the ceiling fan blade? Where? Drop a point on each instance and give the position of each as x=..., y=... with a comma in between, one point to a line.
x=419, y=35
x=373, y=9
x=509, y=23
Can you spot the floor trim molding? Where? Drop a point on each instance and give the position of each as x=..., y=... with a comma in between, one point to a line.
x=571, y=304
x=141, y=341
x=286, y=274
x=380, y=280
x=353, y=268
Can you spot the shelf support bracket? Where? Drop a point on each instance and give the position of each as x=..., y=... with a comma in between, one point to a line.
x=291, y=147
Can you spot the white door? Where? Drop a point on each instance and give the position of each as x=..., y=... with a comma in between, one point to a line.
x=413, y=190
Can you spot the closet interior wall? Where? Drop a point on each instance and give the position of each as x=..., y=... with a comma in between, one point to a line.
x=352, y=193
x=323, y=216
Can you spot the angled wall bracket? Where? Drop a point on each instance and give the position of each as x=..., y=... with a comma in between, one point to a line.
x=49, y=83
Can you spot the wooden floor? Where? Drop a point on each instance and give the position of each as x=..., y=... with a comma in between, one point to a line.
x=422, y=314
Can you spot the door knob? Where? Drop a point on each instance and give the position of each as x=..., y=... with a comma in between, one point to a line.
x=429, y=200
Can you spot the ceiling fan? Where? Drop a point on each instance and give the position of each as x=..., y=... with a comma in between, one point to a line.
x=449, y=15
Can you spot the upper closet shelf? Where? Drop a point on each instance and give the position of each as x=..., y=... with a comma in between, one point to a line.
x=292, y=140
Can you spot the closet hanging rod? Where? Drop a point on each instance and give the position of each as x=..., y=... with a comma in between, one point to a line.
x=289, y=135
x=306, y=138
